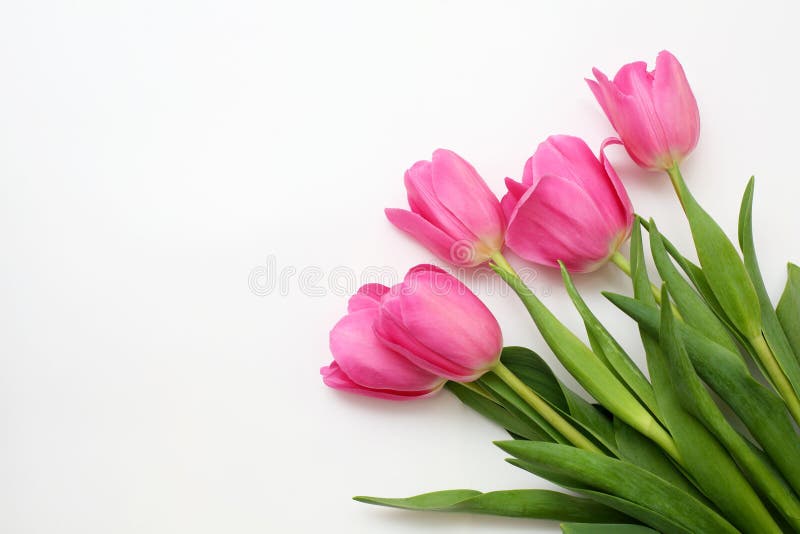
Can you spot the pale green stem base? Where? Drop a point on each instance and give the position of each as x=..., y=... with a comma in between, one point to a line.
x=544, y=409
x=776, y=375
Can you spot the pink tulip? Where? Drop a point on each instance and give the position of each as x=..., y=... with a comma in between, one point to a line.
x=453, y=212
x=654, y=113
x=440, y=325
x=363, y=365
x=570, y=206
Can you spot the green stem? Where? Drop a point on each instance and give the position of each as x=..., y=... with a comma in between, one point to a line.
x=676, y=178
x=776, y=375
x=544, y=409
x=625, y=266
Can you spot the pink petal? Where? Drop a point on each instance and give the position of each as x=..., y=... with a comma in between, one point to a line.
x=396, y=336
x=557, y=220
x=463, y=192
x=367, y=296
x=445, y=316
x=334, y=377
x=675, y=105
x=423, y=200
x=626, y=116
x=622, y=193
x=571, y=158
x=639, y=124
x=601, y=94
x=510, y=199
x=369, y=363
x=423, y=231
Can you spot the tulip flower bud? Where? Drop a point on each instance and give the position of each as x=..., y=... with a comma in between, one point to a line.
x=363, y=365
x=436, y=322
x=654, y=113
x=453, y=212
x=570, y=206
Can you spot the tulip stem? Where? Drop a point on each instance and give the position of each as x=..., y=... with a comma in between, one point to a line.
x=544, y=409
x=625, y=266
x=776, y=375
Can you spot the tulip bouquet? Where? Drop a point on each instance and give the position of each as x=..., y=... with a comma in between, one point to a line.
x=704, y=441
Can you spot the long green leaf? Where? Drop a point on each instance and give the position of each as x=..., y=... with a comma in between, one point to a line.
x=692, y=308
x=615, y=355
x=535, y=504
x=773, y=332
x=695, y=398
x=493, y=411
x=723, y=267
x=789, y=308
x=708, y=462
x=592, y=528
x=759, y=408
x=638, y=450
x=643, y=514
x=622, y=479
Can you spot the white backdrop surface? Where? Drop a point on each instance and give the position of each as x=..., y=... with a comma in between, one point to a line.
x=162, y=164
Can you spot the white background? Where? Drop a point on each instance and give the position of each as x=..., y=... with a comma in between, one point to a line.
x=154, y=154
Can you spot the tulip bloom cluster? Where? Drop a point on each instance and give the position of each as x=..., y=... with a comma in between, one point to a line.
x=656, y=448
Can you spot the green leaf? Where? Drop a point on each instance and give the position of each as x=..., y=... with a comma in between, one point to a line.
x=535, y=504
x=691, y=306
x=695, y=398
x=723, y=267
x=620, y=362
x=499, y=414
x=623, y=480
x=789, y=308
x=773, y=332
x=587, y=416
x=638, y=450
x=758, y=407
x=645, y=515
x=696, y=276
x=705, y=458
x=591, y=528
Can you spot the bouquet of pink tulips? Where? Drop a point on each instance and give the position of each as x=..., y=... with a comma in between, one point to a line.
x=655, y=451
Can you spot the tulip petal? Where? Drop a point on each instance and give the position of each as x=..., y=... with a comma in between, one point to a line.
x=426, y=233
x=510, y=199
x=557, y=220
x=449, y=319
x=396, y=336
x=369, y=363
x=622, y=194
x=675, y=105
x=423, y=200
x=367, y=296
x=634, y=120
x=571, y=158
x=333, y=376
x=462, y=191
